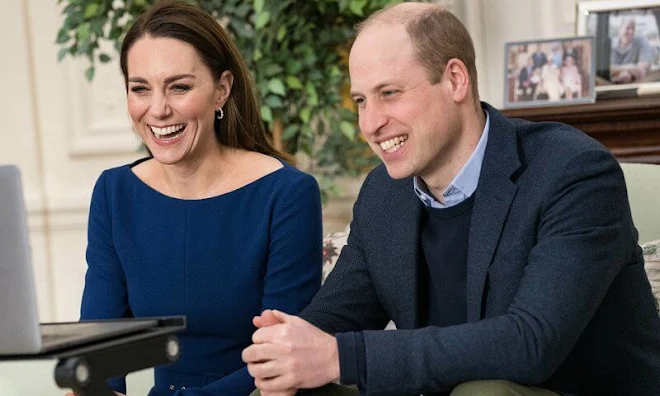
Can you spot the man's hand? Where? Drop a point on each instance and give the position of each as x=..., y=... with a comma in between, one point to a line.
x=289, y=353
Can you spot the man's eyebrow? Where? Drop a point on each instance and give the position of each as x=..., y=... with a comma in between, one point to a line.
x=167, y=80
x=375, y=89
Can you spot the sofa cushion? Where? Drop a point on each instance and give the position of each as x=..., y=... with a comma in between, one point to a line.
x=652, y=265
x=332, y=246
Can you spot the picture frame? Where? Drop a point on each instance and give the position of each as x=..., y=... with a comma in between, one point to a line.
x=627, y=42
x=549, y=72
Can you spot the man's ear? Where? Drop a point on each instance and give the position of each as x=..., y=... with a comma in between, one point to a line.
x=458, y=79
x=223, y=88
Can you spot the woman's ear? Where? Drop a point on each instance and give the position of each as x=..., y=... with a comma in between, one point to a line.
x=224, y=85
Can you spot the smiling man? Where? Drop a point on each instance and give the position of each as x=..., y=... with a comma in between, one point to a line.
x=503, y=250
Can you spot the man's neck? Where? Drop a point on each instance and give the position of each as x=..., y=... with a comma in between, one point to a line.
x=439, y=179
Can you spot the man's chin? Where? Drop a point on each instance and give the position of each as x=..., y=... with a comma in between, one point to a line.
x=397, y=172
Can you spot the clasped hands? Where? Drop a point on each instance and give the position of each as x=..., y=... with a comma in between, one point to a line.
x=288, y=353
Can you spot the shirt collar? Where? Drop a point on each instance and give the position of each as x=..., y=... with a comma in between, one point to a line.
x=464, y=183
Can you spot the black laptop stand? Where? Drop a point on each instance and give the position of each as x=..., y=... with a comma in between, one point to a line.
x=85, y=369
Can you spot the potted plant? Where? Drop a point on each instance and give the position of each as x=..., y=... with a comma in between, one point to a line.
x=296, y=51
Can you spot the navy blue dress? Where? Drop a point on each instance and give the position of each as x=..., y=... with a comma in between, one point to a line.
x=219, y=261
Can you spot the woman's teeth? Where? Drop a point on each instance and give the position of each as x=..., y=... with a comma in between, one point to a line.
x=161, y=132
x=393, y=144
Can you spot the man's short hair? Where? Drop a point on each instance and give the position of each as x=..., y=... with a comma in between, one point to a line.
x=436, y=34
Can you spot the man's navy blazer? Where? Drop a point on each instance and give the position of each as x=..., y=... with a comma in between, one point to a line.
x=557, y=295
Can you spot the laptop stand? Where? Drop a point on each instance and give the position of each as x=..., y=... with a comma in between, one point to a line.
x=85, y=369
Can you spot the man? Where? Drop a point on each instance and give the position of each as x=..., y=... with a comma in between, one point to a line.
x=631, y=55
x=503, y=250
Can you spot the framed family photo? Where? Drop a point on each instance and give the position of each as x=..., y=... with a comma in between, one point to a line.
x=627, y=41
x=549, y=72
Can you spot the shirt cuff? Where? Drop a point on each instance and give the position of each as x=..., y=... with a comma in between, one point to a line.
x=352, y=359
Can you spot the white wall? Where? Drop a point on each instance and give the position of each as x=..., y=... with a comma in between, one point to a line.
x=63, y=132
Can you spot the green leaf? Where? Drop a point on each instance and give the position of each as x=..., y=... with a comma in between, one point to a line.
x=105, y=58
x=274, y=102
x=293, y=66
x=281, y=33
x=89, y=73
x=62, y=53
x=257, y=54
x=91, y=9
x=258, y=5
x=293, y=82
x=357, y=7
x=82, y=33
x=290, y=132
x=266, y=114
x=312, y=95
x=62, y=36
x=347, y=129
x=272, y=69
x=262, y=19
x=306, y=114
x=115, y=32
x=275, y=86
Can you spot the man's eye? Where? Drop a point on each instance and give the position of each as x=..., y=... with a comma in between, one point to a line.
x=389, y=92
x=358, y=101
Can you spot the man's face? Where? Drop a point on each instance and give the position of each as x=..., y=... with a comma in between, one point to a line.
x=411, y=124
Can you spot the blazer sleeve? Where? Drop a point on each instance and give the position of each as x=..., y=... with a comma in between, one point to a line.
x=580, y=249
x=293, y=271
x=105, y=294
x=348, y=301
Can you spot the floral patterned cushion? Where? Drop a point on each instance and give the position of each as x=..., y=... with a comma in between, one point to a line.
x=332, y=246
x=652, y=265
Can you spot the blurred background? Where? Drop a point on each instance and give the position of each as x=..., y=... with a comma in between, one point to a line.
x=62, y=130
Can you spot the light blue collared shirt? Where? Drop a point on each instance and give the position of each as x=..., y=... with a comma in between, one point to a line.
x=465, y=182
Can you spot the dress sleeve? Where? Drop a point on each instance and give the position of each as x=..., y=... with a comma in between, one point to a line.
x=105, y=295
x=295, y=259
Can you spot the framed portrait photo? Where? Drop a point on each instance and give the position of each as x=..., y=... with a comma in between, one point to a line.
x=550, y=72
x=627, y=41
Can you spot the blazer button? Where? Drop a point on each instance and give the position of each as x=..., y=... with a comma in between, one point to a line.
x=183, y=388
x=171, y=387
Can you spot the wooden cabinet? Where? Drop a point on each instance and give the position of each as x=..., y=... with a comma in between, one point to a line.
x=629, y=127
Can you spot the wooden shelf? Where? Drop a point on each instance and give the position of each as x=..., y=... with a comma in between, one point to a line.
x=629, y=127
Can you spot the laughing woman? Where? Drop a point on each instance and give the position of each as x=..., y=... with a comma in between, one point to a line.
x=214, y=224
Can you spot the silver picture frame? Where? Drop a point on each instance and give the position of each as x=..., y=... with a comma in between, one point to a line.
x=549, y=72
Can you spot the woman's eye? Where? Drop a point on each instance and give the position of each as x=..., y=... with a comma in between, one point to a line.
x=138, y=89
x=180, y=88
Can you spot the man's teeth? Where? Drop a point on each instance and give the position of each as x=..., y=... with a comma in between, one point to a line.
x=393, y=144
x=159, y=132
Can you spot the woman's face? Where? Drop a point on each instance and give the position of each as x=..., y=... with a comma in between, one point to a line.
x=172, y=99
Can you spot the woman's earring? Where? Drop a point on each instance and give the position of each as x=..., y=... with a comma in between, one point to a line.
x=219, y=113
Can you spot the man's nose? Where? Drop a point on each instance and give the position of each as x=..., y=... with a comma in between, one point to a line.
x=371, y=119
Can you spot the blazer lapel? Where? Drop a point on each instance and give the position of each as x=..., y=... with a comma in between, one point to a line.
x=400, y=252
x=493, y=198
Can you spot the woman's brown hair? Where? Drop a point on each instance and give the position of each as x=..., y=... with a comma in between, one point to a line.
x=241, y=126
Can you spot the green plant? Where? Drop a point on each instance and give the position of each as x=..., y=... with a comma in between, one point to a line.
x=296, y=51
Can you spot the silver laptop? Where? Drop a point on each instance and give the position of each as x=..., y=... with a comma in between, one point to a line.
x=20, y=330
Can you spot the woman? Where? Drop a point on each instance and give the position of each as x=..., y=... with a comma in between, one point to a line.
x=213, y=225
